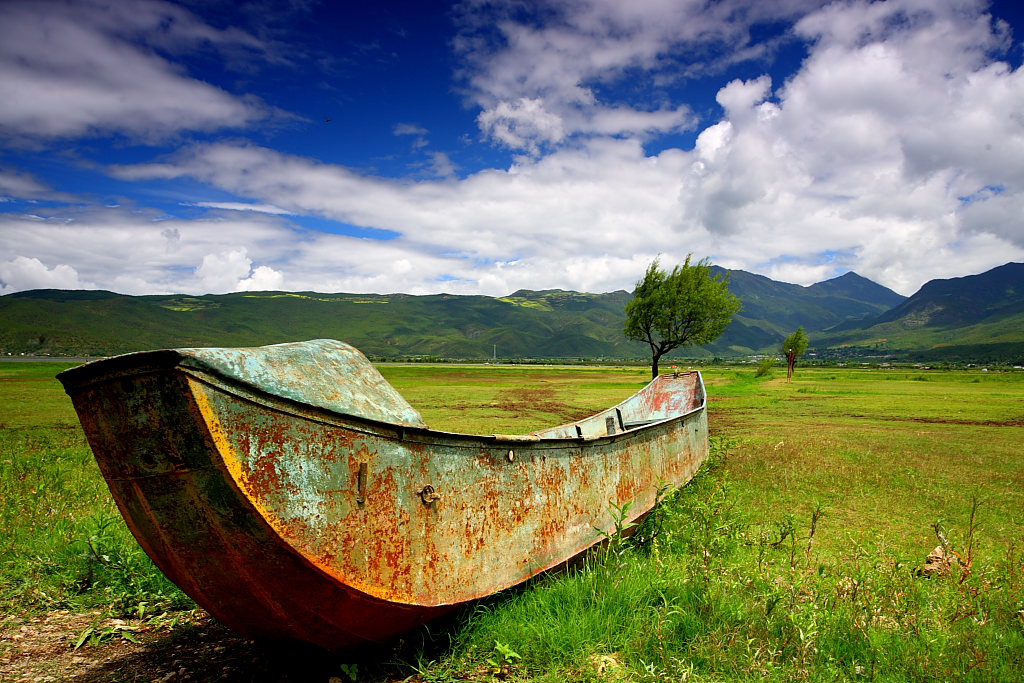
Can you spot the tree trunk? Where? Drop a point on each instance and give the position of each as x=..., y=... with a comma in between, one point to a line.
x=654, y=365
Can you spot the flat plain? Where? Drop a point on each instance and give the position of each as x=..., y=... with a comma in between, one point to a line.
x=797, y=554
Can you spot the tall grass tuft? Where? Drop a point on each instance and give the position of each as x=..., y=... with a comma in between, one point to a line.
x=765, y=366
x=63, y=543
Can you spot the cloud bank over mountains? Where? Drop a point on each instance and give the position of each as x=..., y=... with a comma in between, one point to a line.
x=890, y=146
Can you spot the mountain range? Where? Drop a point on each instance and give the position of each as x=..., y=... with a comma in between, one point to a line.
x=979, y=317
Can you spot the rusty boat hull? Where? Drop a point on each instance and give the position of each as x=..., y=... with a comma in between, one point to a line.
x=292, y=493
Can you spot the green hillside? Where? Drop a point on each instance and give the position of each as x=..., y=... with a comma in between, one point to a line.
x=978, y=317
x=563, y=324
x=778, y=308
x=847, y=315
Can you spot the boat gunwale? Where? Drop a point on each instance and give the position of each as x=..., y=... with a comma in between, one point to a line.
x=143, y=363
x=407, y=434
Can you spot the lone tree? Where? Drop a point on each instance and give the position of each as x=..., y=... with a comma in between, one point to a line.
x=793, y=347
x=688, y=306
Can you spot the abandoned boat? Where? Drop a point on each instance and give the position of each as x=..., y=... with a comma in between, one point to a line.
x=294, y=494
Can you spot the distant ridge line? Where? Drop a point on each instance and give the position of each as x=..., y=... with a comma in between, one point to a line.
x=845, y=315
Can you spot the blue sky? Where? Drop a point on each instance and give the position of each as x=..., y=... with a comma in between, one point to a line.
x=490, y=145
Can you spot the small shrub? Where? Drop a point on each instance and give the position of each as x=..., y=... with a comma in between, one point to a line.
x=764, y=368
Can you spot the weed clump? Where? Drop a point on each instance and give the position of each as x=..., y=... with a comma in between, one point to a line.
x=64, y=544
x=764, y=368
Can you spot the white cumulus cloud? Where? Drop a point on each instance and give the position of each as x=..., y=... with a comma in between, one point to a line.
x=24, y=272
x=94, y=67
x=538, y=80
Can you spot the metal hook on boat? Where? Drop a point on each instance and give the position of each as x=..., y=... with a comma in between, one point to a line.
x=428, y=495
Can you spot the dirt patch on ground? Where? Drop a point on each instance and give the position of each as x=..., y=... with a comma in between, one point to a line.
x=532, y=401
x=41, y=649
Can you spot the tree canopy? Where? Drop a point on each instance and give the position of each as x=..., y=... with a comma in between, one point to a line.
x=688, y=306
x=793, y=347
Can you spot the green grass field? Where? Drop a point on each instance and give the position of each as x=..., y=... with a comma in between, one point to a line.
x=794, y=555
